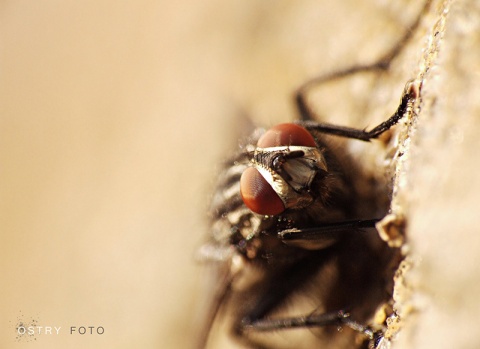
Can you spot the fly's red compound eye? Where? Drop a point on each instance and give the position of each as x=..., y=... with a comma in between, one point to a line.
x=258, y=195
x=286, y=134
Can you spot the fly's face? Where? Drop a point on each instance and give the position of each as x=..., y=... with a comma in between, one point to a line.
x=283, y=167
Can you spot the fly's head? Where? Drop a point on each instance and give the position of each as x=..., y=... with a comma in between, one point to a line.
x=287, y=183
x=284, y=165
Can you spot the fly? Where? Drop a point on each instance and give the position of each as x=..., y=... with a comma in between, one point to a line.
x=290, y=245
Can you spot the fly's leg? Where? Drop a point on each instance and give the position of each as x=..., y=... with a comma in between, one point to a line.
x=259, y=316
x=409, y=96
x=307, y=116
x=280, y=287
x=326, y=233
x=336, y=318
x=282, y=284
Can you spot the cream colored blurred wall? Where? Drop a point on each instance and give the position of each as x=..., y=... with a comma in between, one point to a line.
x=108, y=126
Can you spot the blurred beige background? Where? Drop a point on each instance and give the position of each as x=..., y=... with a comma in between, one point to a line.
x=110, y=125
x=113, y=116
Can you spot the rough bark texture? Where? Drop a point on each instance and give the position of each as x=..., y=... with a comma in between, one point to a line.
x=114, y=115
x=439, y=187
